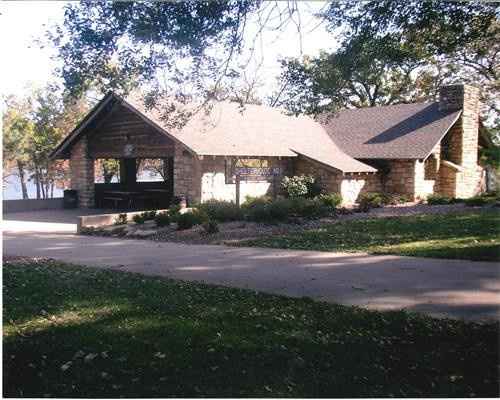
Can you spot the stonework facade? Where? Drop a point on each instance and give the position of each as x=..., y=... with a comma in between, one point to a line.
x=350, y=186
x=451, y=169
x=200, y=179
x=82, y=173
x=186, y=174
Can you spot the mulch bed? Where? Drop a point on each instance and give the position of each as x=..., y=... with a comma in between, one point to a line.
x=233, y=232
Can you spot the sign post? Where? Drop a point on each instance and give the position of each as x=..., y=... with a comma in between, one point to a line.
x=238, y=180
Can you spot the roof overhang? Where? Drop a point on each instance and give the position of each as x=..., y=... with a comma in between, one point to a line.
x=368, y=169
x=442, y=136
x=99, y=108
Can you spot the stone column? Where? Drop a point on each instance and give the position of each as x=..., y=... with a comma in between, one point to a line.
x=187, y=176
x=82, y=173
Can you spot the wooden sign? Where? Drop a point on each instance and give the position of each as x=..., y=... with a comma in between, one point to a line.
x=256, y=173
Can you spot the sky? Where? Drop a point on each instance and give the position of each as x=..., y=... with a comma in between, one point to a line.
x=22, y=22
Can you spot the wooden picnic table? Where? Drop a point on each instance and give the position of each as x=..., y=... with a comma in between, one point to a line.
x=125, y=195
x=157, y=190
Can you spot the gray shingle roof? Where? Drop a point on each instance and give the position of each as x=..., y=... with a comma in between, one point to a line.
x=391, y=132
x=228, y=130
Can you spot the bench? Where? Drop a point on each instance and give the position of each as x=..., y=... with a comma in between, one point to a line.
x=115, y=200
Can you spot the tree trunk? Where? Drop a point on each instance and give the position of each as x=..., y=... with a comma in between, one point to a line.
x=22, y=179
x=37, y=182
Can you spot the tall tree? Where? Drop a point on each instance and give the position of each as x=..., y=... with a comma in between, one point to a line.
x=439, y=26
x=17, y=129
x=364, y=72
x=461, y=38
x=32, y=128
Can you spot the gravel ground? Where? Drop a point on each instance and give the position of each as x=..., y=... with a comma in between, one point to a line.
x=231, y=232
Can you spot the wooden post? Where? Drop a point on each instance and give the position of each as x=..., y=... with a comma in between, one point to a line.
x=238, y=190
x=275, y=187
x=128, y=171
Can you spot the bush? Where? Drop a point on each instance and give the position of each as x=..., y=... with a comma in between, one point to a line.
x=149, y=215
x=121, y=219
x=162, y=219
x=300, y=186
x=251, y=201
x=436, y=199
x=371, y=200
x=222, y=211
x=394, y=199
x=332, y=200
x=174, y=211
x=309, y=208
x=282, y=210
x=191, y=218
x=258, y=212
x=480, y=200
x=211, y=227
x=279, y=210
x=139, y=218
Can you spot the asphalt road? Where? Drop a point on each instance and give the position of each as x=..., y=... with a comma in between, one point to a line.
x=443, y=288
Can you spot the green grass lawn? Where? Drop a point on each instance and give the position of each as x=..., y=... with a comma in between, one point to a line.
x=80, y=332
x=472, y=236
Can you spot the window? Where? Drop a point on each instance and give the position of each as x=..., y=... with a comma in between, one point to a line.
x=151, y=170
x=107, y=170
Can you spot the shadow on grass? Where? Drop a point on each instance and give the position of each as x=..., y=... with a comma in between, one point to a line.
x=151, y=337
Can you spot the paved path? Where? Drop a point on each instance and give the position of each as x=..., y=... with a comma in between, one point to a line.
x=453, y=288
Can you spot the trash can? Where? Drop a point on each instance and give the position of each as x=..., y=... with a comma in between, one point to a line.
x=70, y=199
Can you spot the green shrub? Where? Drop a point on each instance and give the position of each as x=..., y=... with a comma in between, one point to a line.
x=371, y=200
x=191, y=218
x=162, y=219
x=211, y=227
x=222, y=211
x=149, y=215
x=186, y=221
x=480, y=200
x=121, y=219
x=174, y=212
x=251, y=201
x=279, y=210
x=300, y=186
x=331, y=200
x=436, y=199
x=309, y=208
x=258, y=212
x=395, y=198
x=139, y=218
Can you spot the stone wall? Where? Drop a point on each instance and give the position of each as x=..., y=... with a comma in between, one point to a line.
x=187, y=175
x=350, y=186
x=401, y=178
x=328, y=178
x=215, y=185
x=82, y=173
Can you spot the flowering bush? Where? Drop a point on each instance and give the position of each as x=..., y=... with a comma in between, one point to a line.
x=300, y=186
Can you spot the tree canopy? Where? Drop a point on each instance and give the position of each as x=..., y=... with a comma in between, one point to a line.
x=395, y=51
x=32, y=127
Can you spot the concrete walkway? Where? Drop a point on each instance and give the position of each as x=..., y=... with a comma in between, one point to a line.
x=451, y=288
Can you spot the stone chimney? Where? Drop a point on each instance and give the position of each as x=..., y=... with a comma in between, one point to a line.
x=464, y=134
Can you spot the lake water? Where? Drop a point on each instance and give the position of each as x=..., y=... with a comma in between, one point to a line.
x=12, y=190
